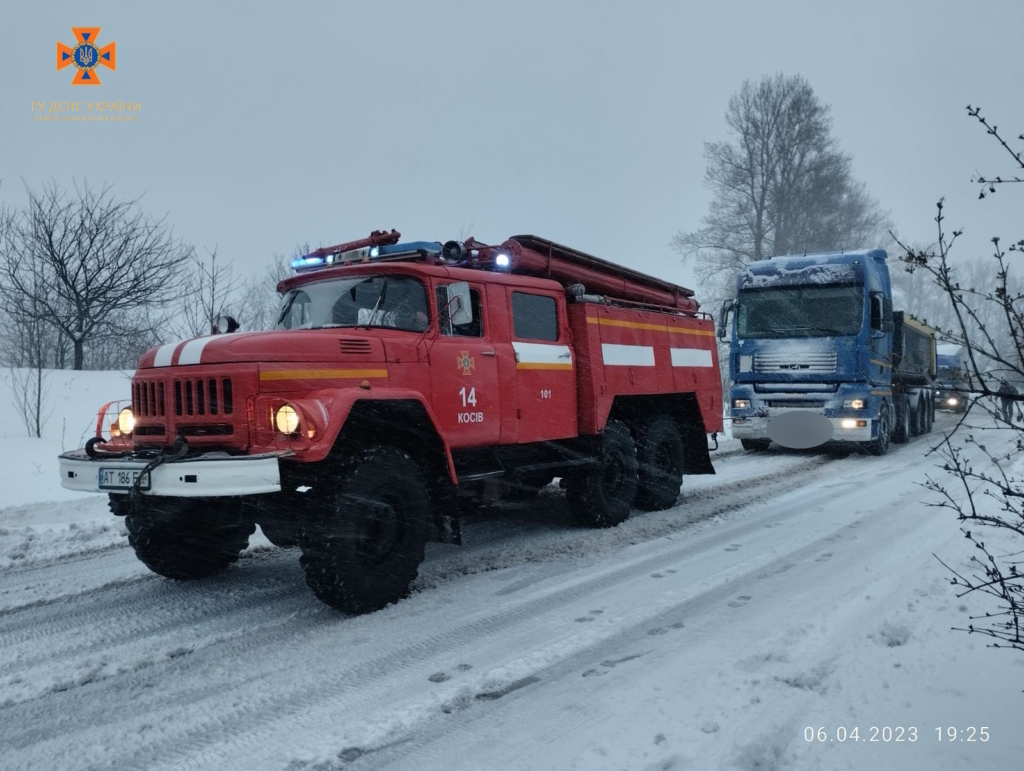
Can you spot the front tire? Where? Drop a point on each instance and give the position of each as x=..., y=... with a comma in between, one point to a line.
x=660, y=456
x=363, y=541
x=603, y=496
x=185, y=538
x=880, y=444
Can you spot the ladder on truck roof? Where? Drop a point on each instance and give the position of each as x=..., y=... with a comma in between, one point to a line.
x=550, y=260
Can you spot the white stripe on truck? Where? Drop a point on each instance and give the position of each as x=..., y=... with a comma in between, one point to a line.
x=691, y=357
x=627, y=355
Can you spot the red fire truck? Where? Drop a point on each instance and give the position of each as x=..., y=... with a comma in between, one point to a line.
x=400, y=380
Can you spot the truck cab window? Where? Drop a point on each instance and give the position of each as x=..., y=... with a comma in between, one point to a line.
x=475, y=328
x=534, y=317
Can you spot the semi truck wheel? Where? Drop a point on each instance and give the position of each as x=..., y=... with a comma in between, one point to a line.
x=902, y=433
x=602, y=496
x=917, y=418
x=185, y=538
x=755, y=445
x=660, y=460
x=363, y=543
x=880, y=444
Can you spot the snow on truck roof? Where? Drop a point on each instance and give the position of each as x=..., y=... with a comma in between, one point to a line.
x=825, y=268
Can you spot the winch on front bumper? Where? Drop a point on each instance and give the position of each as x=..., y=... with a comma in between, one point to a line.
x=208, y=474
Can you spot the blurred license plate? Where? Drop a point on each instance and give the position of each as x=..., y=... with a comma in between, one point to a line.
x=112, y=478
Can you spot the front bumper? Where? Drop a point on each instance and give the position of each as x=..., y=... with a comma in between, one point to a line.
x=209, y=475
x=757, y=428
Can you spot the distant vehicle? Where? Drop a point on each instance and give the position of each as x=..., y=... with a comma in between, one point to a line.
x=817, y=354
x=952, y=381
x=400, y=378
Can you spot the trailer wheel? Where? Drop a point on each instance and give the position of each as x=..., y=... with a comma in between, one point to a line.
x=755, y=445
x=660, y=456
x=930, y=415
x=880, y=444
x=363, y=542
x=186, y=538
x=603, y=495
x=917, y=417
x=902, y=433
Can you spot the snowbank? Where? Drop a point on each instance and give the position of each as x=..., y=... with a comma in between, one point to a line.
x=39, y=519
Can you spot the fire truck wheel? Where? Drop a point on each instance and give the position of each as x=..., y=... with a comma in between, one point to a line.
x=660, y=461
x=362, y=547
x=603, y=495
x=186, y=538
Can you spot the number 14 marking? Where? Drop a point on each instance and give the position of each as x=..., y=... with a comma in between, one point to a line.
x=468, y=399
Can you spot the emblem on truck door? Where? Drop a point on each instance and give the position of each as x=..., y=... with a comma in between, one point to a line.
x=466, y=362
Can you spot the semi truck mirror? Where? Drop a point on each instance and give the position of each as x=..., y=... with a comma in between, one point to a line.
x=460, y=309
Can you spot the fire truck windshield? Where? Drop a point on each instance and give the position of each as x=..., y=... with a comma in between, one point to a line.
x=380, y=300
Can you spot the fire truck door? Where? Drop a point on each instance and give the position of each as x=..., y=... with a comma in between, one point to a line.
x=545, y=376
x=464, y=377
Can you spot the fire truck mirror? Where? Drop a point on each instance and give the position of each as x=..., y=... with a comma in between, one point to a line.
x=723, y=318
x=225, y=324
x=460, y=310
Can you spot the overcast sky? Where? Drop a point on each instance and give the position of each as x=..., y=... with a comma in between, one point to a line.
x=264, y=125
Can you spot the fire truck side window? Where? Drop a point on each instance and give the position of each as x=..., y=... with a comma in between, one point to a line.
x=534, y=317
x=475, y=328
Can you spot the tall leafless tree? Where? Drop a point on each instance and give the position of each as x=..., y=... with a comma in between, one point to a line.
x=99, y=258
x=780, y=184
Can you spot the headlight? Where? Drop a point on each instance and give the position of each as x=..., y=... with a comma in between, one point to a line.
x=951, y=401
x=287, y=419
x=854, y=404
x=125, y=422
x=741, y=404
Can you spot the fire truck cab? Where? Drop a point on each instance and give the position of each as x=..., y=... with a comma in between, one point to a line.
x=400, y=381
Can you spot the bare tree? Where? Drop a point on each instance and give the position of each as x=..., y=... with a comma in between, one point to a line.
x=780, y=185
x=99, y=257
x=988, y=313
x=208, y=293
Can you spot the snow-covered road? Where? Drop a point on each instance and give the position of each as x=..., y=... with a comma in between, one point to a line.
x=790, y=590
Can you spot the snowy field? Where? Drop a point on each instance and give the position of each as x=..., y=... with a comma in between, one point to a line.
x=792, y=590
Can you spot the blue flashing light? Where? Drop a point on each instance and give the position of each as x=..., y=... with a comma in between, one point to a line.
x=375, y=251
x=307, y=262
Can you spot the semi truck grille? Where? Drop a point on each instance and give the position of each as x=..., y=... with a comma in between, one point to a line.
x=805, y=362
x=203, y=396
x=807, y=404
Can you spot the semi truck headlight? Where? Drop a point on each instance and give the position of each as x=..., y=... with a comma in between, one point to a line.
x=854, y=404
x=125, y=421
x=951, y=400
x=287, y=420
x=741, y=404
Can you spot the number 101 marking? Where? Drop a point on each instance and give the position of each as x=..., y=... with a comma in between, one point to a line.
x=468, y=399
x=545, y=393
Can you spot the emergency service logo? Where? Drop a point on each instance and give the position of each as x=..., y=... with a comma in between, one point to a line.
x=86, y=56
x=466, y=362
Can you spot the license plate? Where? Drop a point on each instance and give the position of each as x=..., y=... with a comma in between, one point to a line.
x=121, y=479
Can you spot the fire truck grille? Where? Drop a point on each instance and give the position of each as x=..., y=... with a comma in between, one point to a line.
x=355, y=346
x=203, y=396
x=805, y=362
x=148, y=399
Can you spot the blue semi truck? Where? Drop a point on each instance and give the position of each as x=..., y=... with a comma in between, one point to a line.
x=818, y=355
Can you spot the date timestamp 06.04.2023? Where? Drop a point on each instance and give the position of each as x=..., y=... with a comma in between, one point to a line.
x=894, y=734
